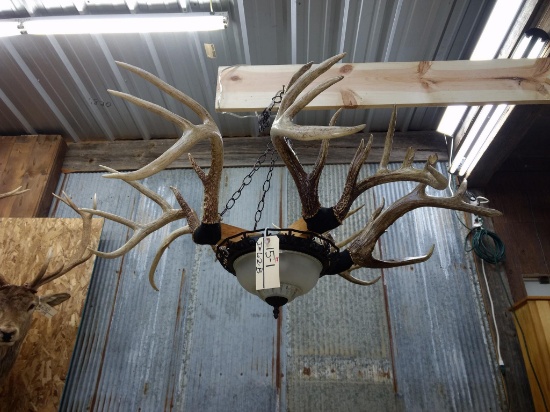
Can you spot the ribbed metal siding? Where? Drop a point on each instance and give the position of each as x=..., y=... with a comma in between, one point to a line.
x=202, y=343
x=339, y=355
x=444, y=357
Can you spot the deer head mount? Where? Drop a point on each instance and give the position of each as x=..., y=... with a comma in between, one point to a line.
x=309, y=235
x=19, y=302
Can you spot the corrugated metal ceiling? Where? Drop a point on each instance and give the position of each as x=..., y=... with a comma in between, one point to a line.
x=57, y=84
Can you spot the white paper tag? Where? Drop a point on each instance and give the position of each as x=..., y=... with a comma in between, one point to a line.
x=46, y=310
x=267, y=263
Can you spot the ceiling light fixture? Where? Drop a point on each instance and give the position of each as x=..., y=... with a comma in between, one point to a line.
x=117, y=23
x=481, y=124
x=278, y=265
x=9, y=28
x=474, y=128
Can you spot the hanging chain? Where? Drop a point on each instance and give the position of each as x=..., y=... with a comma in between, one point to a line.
x=247, y=179
x=265, y=116
x=266, y=186
x=263, y=124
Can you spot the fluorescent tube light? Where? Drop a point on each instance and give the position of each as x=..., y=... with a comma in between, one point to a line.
x=451, y=118
x=9, y=28
x=125, y=23
x=484, y=138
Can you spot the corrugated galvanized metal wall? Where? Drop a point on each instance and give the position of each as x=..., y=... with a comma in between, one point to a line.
x=416, y=341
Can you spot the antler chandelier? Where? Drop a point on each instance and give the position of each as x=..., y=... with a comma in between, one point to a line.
x=279, y=265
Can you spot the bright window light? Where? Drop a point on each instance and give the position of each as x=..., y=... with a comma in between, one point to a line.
x=129, y=23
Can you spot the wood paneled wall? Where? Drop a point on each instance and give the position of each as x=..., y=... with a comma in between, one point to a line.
x=524, y=199
x=33, y=162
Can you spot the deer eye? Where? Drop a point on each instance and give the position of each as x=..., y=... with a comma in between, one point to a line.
x=31, y=306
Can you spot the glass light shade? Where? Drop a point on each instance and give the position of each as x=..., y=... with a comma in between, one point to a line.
x=298, y=273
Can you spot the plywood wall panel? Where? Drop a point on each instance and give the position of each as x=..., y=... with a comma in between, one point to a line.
x=36, y=381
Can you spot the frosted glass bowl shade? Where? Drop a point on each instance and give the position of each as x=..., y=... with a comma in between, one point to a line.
x=298, y=273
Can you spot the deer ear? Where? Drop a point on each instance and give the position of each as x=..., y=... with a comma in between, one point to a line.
x=55, y=299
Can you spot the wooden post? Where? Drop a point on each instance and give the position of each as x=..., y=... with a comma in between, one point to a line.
x=33, y=162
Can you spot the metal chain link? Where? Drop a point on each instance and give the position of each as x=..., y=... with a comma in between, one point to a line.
x=265, y=116
x=266, y=186
x=263, y=124
x=248, y=178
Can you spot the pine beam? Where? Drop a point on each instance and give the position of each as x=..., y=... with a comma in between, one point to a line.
x=370, y=85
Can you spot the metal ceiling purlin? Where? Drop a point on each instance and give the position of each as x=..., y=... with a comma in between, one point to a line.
x=81, y=88
x=17, y=114
x=31, y=77
x=136, y=115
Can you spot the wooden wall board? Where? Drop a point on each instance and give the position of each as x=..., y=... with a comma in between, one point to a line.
x=36, y=381
x=533, y=322
x=365, y=85
x=520, y=145
x=243, y=151
x=33, y=162
x=525, y=226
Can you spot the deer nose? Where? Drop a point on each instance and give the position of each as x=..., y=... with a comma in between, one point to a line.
x=7, y=334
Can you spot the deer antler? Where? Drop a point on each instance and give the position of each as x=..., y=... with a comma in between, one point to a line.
x=14, y=192
x=283, y=128
x=429, y=175
x=321, y=219
x=207, y=230
x=142, y=230
x=191, y=135
x=362, y=247
x=81, y=253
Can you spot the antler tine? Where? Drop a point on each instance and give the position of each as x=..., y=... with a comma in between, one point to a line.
x=154, y=108
x=428, y=175
x=170, y=90
x=362, y=247
x=389, y=141
x=290, y=106
x=191, y=133
x=34, y=283
x=159, y=200
x=347, y=275
x=348, y=195
x=303, y=78
x=81, y=253
x=185, y=230
x=299, y=74
x=14, y=192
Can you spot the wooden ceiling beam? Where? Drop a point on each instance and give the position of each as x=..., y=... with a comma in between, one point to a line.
x=368, y=85
x=243, y=151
